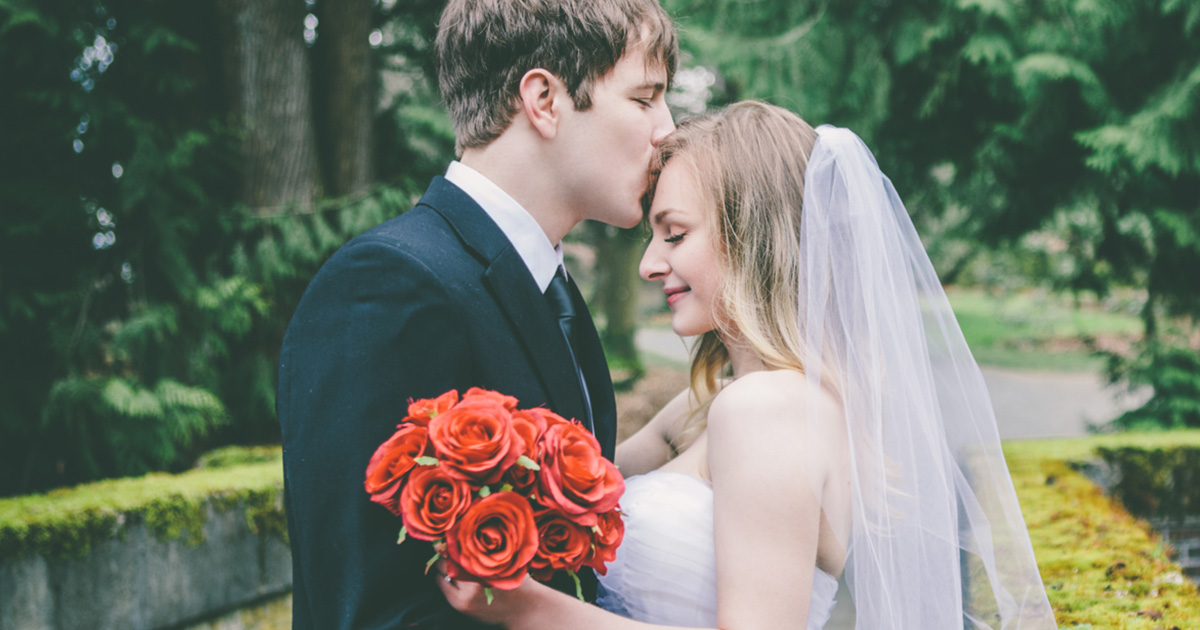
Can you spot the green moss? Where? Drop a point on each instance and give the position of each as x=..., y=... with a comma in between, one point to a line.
x=265, y=514
x=238, y=456
x=272, y=614
x=68, y=521
x=1102, y=567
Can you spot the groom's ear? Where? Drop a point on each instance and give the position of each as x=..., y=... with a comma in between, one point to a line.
x=543, y=96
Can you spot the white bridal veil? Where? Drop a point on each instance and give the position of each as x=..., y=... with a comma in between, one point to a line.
x=936, y=539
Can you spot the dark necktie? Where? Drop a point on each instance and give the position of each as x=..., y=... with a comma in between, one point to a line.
x=558, y=294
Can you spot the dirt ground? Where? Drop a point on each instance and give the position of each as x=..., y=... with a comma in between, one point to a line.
x=637, y=406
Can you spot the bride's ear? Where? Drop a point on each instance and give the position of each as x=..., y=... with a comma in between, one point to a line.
x=543, y=97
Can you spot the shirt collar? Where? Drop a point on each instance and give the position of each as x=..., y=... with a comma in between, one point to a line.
x=541, y=256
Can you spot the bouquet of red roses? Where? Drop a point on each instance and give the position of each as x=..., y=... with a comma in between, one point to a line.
x=500, y=491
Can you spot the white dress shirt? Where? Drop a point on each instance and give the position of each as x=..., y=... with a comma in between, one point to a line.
x=542, y=257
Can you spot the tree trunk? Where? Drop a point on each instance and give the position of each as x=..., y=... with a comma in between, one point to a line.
x=617, y=255
x=345, y=95
x=266, y=70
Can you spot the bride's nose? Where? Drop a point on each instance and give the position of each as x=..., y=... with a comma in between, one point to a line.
x=653, y=266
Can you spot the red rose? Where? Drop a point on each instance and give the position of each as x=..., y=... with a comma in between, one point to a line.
x=475, y=440
x=508, y=402
x=606, y=537
x=493, y=542
x=520, y=478
x=575, y=477
x=432, y=501
x=423, y=410
x=529, y=424
x=552, y=419
x=392, y=461
x=562, y=544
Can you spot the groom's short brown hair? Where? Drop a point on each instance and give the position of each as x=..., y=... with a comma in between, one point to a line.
x=484, y=47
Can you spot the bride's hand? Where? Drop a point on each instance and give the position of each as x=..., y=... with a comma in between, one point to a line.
x=469, y=598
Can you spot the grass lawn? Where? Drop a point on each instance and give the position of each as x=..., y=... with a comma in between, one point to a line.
x=1033, y=330
x=1021, y=330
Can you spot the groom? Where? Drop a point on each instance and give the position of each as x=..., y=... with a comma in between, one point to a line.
x=557, y=105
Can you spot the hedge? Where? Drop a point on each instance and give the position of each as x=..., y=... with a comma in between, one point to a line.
x=1158, y=483
x=1102, y=567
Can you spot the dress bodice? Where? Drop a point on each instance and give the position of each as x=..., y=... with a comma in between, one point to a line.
x=665, y=570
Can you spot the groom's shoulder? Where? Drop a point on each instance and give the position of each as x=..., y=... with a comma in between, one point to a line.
x=417, y=229
x=415, y=238
x=425, y=228
x=420, y=233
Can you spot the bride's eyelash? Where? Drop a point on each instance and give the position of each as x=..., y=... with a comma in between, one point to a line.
x=675, y=238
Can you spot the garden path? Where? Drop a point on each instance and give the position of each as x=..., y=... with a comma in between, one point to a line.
x=1028, y=404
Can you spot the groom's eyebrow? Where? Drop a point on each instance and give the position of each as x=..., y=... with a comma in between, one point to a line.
x=652, y=85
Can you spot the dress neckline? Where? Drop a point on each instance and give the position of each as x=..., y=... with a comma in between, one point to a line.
x=821, y=573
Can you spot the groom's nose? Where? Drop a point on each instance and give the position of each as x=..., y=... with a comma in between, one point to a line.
x=663, y=126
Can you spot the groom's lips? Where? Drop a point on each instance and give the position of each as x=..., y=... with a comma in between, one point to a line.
x=675, y=294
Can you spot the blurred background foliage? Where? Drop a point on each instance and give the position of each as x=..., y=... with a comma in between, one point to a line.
x=178, y=172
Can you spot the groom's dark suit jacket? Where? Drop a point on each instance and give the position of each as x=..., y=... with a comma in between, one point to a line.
x=435, y=299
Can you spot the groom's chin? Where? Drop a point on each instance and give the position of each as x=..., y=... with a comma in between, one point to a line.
x=632, y=223
x=627, y=220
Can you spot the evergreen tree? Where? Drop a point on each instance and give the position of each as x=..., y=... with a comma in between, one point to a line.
x=1020, y=114
x=143, y=298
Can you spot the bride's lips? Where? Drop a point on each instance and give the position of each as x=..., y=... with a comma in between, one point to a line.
x=675, y=294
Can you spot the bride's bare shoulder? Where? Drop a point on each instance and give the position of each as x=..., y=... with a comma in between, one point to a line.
x=783, y=394
x=774, y=425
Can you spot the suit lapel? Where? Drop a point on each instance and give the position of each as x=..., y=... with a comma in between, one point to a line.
x=514, y=290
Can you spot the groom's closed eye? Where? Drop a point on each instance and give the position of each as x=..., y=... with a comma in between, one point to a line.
x=647, y=93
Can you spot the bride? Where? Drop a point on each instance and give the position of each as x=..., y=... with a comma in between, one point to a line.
x=836, y=421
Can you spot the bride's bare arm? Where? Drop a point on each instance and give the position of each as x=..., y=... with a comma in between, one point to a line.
x=650, y=447
x=767, y=515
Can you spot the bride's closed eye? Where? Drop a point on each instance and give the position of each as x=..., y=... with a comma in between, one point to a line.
x=675, y=238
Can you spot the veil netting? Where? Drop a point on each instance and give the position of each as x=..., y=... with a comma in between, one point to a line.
x=936, y=538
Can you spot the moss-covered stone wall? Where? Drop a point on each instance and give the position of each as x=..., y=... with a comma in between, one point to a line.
x=152, y=552
x=1102, y=567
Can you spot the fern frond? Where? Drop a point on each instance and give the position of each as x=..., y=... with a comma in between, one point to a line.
x=1034, y=71
x=989, y=48
x=1156, y=136
x=131, y=401
x=999, y=9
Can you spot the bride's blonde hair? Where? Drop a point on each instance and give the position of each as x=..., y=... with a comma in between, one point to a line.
x=749, y=161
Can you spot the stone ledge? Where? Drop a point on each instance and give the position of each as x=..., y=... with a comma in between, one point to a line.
x=138, y=581
x=154, y=552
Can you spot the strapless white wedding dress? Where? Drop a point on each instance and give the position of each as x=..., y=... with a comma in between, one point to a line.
x=665, y=571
